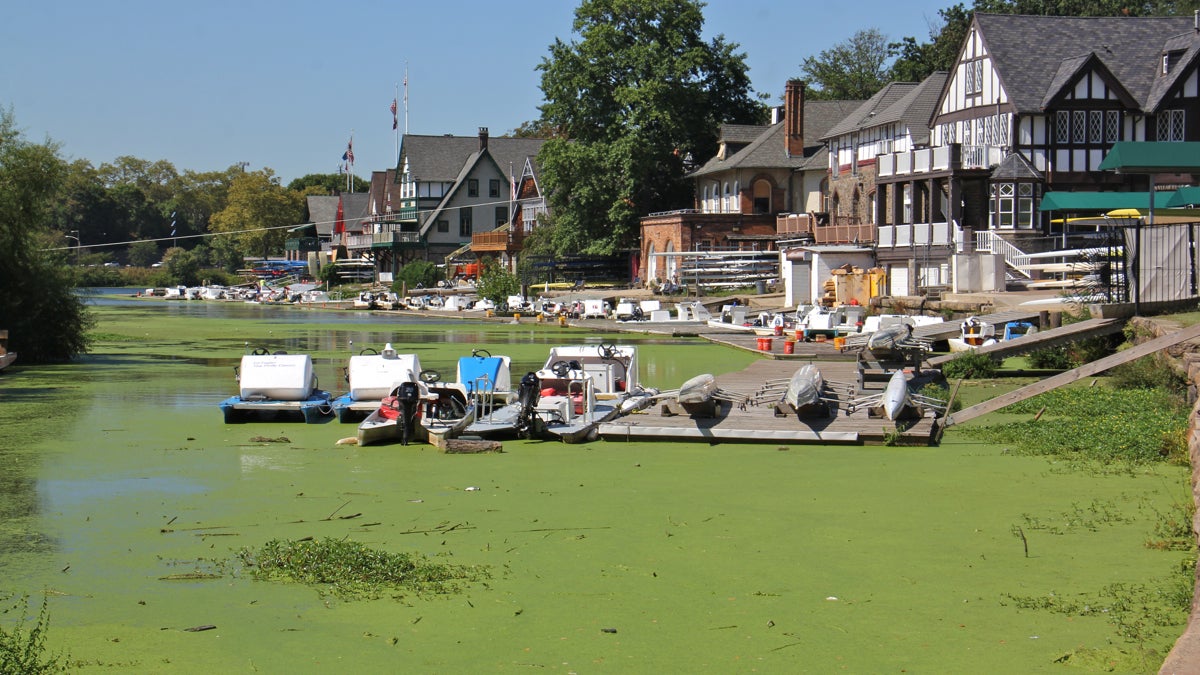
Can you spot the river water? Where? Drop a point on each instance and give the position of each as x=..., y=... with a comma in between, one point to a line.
x=119, y=476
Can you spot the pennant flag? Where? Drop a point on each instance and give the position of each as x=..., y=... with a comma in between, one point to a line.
x=395, y=120
x=339, y=226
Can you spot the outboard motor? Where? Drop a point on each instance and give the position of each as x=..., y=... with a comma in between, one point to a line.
x=408, y=394
x=528, y=393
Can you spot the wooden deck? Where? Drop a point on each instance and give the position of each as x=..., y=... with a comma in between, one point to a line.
x=759, y=423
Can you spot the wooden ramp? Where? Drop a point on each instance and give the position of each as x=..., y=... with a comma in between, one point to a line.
x=733, y=424
x=1054, y=337
x=1087, y=370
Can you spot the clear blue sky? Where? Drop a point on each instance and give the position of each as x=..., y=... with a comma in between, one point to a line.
x=205, y=85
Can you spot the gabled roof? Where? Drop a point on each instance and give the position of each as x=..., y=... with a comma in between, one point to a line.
x=1072, y=68
x=322, y=211
x=768, y=150
x=864, y=116
x=460, y=180
x=1029, y=51
x=1189, y=44
x=441, y=158
x=1015, y=167
x=916, y=107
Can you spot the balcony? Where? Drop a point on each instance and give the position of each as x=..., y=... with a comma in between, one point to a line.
x=825, y=230
x=919, y=161
x=396, y=240
x=501, y=241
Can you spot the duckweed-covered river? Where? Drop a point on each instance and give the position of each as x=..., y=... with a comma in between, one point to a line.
x=123, y=498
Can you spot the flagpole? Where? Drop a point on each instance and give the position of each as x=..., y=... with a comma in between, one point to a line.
x=395, y=127
x=405, y=100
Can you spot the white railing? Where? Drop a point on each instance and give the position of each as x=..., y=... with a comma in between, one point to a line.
x=980, y=156
x=921, y=160
x=918, y=234
x=986, y=240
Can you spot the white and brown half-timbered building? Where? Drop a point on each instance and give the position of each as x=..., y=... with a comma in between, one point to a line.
x=1033, y=105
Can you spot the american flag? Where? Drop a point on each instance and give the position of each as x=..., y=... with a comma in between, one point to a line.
x=348, y=155
x=395, y=121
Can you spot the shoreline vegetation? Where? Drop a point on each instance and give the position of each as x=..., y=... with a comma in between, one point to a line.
x=1049, y=534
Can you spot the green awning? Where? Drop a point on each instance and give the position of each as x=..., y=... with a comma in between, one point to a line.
x=1187, y=196
x=1077, y=202
x=1152, y=157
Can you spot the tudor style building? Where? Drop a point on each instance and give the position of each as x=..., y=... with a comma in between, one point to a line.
x=1033, y=104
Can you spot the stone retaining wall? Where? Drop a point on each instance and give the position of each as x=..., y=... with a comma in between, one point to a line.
x=1185, y=655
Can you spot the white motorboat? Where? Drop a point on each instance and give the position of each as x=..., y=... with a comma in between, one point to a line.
x=396, y=418
x=581, y=386
x=974, y=332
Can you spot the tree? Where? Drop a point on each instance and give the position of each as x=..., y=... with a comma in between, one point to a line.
x=631, y=101
x=496, y=283
x=417, y=274
x=257, y=215
x=46, y=319
x=853, y=69
x=326, y=184
x=143, y=253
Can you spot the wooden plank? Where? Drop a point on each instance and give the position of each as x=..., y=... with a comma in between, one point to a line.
x=1086, y=370
x=1053, y=337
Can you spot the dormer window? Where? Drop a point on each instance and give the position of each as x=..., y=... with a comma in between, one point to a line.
x=1170, y=59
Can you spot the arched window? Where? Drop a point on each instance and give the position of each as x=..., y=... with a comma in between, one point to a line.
x=672, y=263
x=871, y=207
x=735, y=205
x=823, y=196
x=762, y=196
x=727, y=201
x=651, y=262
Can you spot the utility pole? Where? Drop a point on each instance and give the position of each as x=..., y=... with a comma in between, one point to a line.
x=75, y=235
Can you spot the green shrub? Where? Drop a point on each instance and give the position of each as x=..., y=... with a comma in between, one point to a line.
x=969, y=365
x=1053, y=358
x=23, y=646
x=1149, y=372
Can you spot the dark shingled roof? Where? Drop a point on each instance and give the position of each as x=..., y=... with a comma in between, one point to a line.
x=1029, y=51
x=441, y=158
x=864, y=116
x=1015, y=167
x=768, y=150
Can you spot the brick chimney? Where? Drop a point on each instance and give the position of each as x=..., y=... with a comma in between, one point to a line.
x=483, y=138
x=793, y=118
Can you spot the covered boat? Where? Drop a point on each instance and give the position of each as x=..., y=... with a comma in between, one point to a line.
x=276, y=383
x=372, y=375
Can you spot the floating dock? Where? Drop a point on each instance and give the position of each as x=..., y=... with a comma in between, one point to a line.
x=759, y=423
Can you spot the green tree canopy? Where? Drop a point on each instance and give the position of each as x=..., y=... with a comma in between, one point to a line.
x=633, y=99
x=46, y=320
x=256, y=217
x=326, y=184
x=853, y=69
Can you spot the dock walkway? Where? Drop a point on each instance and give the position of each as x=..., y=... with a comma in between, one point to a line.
x=734, y=424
